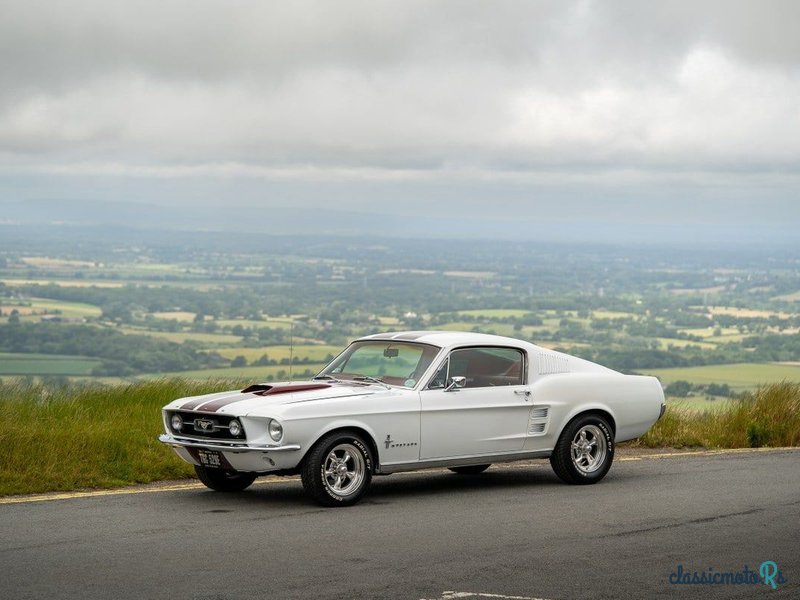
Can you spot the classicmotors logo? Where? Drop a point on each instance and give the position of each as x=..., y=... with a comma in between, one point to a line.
x=767, y=574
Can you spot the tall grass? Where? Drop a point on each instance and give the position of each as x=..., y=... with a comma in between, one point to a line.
x=770, y=416
x=80, y=436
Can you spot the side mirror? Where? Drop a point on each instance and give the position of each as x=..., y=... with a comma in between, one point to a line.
x=456, y=383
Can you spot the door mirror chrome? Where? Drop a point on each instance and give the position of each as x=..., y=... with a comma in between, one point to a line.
x=456, y=383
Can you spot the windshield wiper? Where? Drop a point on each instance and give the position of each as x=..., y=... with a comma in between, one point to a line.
x=372, y=380
x=328, y=378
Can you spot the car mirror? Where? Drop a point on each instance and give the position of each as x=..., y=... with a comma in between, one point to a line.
x=456, y=383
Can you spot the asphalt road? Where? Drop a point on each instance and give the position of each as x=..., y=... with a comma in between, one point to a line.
x=513, y=531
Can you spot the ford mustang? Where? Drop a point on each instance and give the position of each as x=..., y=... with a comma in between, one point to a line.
x=413, y=400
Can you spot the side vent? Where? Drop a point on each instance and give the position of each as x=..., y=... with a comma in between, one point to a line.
x=550, y=364
x=539, y=419
x=540, y=412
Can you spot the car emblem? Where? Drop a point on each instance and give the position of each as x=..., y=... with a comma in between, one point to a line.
x=204, y=424
x=388, y=441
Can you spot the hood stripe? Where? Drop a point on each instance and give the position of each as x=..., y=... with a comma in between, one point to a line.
x=215, y=405
x=193, y=404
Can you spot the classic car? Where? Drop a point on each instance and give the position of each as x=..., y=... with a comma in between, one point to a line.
x=413, y=400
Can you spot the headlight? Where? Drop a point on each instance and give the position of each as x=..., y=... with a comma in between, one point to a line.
x=275, y=430
x=235, y=428
x=176, y=422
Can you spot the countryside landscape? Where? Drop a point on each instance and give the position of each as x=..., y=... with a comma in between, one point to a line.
x=129, y=305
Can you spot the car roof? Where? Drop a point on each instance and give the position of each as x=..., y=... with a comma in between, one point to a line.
x=446, y=339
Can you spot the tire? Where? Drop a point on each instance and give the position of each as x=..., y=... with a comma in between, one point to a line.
x=224, y=481
x=337, y=470
x=585, y=450
x=470, y=470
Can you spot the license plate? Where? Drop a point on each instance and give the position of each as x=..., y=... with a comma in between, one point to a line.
x=210, y=458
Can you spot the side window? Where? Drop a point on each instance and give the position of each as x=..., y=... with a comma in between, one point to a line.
x=482, y=367
x=439, y=380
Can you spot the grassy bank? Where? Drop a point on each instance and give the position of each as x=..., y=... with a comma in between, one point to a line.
x=88, y=436
x=769, y=416
x=93, y=436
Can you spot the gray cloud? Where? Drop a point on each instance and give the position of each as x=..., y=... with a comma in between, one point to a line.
x=500, y=95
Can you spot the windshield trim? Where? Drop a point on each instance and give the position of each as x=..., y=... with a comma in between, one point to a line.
x=362, y=342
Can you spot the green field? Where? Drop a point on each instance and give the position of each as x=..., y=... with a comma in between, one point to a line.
x=742, y=376
x=498, y=328
x=182, y=336
x=316, y=353
x=612, y=314
x=45, y=364
x=698, y=403
x=35, y=308
x=272, y=323
x=665, y=343
x=245, y=373
x=495, y=313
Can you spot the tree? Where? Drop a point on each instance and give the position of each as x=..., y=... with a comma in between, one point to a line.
x=239, y=361
x=679, y=389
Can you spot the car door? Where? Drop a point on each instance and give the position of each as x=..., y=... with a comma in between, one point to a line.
x=488, y=415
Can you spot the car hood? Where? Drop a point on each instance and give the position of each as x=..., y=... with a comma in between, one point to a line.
x=258, y=397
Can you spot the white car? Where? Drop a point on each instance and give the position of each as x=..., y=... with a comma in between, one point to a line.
x=413, y=400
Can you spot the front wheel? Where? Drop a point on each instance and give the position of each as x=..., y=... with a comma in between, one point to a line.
x=337, y=470
x=224, y=481
x=584, y=451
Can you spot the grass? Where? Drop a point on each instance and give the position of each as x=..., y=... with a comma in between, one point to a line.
x=92, y=436
x=768, y=417
x=88, y=436
x=740, y=376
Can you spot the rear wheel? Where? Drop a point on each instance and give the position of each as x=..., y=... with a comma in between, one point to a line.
x=224, y=481
x=585, y=450
x=470, y=470
x=337, y=470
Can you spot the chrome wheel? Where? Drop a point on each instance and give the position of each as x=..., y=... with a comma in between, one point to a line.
x=344, y=470
x=588, y=449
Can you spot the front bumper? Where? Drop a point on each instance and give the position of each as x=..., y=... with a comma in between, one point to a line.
x=258, y=458
x=174, y=441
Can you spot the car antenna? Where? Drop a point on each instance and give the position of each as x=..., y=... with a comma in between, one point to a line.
x=291, y=347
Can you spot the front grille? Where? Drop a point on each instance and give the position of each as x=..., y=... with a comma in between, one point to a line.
x=205, y=426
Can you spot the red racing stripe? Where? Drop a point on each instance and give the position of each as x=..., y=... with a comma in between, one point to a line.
x=215, y=405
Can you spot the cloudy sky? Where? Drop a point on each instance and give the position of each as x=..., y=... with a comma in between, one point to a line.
x=623, y=113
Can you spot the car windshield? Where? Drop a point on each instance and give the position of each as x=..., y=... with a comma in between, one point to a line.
x=389, y=362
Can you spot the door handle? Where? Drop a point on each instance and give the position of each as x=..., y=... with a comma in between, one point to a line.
x=525, y=393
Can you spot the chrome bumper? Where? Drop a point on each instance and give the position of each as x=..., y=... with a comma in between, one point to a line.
x=236, y=447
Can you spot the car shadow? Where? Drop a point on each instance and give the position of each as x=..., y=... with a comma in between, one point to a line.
x=287, y=492
x=445, y=482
